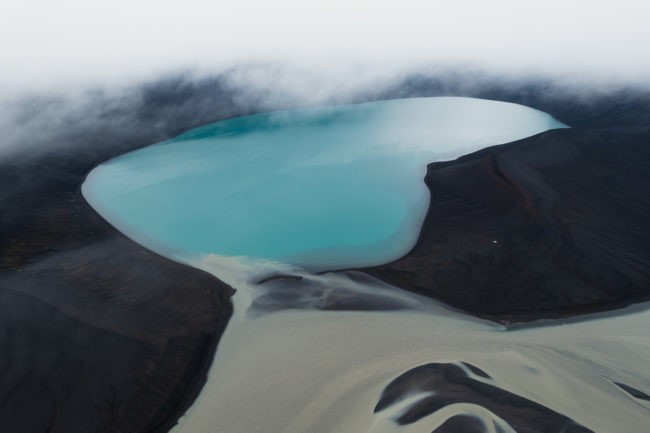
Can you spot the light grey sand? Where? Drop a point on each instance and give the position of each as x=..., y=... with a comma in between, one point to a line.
x=323, y=371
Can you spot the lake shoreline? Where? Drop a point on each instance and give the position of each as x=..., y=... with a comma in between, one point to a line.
x=521, y=240
x=117, y=307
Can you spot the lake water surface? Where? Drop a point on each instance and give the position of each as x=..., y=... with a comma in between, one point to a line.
x=320, y=187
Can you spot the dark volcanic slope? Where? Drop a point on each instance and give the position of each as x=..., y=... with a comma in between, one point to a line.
x=552, y=225
x=97, y=334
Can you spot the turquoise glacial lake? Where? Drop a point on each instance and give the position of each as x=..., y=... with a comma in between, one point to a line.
x=320, y=187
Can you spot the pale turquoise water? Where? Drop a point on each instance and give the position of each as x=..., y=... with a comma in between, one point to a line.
x=323, y=187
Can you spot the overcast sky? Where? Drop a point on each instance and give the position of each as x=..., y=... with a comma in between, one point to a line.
x=46, y=44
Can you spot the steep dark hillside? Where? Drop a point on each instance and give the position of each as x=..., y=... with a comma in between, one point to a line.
x=553, y=225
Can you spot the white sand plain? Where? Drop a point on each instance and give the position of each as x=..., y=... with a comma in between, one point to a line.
x=298, y=371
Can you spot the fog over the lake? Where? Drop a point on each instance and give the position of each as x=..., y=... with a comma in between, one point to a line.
x=91, y=66
x=72, y=44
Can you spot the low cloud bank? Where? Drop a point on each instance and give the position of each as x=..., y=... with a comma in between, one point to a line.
x=73, y=44
x=161, y=108
x=161, y=67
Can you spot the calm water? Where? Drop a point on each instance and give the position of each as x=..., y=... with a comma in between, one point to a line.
x=322, y=187
x=343, y=186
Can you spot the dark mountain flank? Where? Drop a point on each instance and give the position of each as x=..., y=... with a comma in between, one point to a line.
x=97, y=334
x=552, y=225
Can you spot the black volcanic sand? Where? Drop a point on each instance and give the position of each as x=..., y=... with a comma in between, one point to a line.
x=553, y=225
x=97, y=334
x=450, y=384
